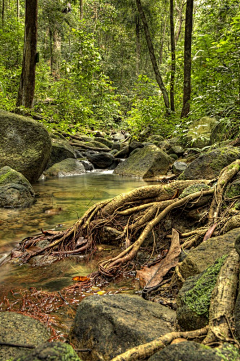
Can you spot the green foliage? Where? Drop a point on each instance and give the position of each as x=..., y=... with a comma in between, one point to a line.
x=83, y=96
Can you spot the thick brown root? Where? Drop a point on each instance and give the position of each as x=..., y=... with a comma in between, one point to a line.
x=223, y=301
x=148, y=349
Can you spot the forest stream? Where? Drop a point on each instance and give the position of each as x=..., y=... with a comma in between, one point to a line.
x=60, y=202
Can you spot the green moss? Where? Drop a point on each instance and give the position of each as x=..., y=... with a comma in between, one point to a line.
x=198, y=298
x=193, y=189
x=220, y=161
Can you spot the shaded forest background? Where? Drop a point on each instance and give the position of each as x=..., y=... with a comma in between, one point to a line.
x=93, y=67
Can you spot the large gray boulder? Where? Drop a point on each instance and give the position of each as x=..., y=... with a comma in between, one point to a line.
x=111, y=324
x=15, y=189
x=61, y=150
x=25, y=145
x=209, y=165
x=19, y=329
x=204, y=255
x=147, y=162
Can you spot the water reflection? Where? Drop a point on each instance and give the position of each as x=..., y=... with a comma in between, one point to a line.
x=59, y=204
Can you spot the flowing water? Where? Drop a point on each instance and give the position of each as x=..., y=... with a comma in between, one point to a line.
x=60, y=202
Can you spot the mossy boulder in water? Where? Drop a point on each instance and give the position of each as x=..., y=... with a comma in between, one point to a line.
x=209, y=165
x=15, y=189
x=25, y=145
x=65, y=168
x=61, y=150
x=147, y=162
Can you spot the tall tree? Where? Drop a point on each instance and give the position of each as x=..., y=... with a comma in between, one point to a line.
x=27, y=81
x=187, y=59
x=81, y=9
x=152, y=54
x=173, y=56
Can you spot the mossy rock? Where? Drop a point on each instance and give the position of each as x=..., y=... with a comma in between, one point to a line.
x=204, y=255
x=210, y=164
x=193, y=351
x=15, y=189
x=65, y=168
x=200, y=132
x=195, y=295
x=61, y=150
x=233, y=189
x=25, y=145
x=148, y=162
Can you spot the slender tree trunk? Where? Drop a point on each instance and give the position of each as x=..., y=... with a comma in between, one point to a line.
x=163, y=26
x=27, y=81
x=56, y=54
x=187, y=59
x=17, y=9
x=81, y=9
x=3, y=12
x=152, y=54
x=173, y=55
x=180, y=21
x=138, y=46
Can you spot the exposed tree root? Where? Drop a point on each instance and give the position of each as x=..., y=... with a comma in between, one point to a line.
x=225, y=176
x=148, y=349
x=223, y=301
x=131, y=218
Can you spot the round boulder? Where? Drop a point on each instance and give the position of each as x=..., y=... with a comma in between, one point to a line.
x=25, y=145
x=15, y=189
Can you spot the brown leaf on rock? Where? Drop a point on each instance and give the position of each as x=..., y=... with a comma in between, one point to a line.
x=152, y=276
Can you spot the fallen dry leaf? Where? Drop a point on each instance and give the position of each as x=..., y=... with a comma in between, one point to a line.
x=152, y=276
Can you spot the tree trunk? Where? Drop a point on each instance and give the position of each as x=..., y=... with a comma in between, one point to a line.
x=152, y=54
x=3, y=12
x=17, y=9
x=180, y=21
x=173, y=63
x=56, y=54
x=187, y=59
x=138, y=47
x=81, y=9
x=27, y=81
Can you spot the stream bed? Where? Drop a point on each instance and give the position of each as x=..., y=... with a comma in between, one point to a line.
x=49, y=292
